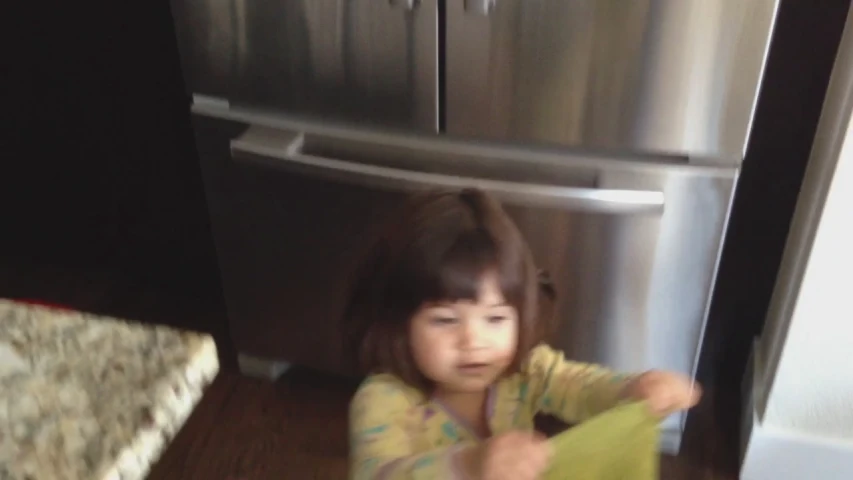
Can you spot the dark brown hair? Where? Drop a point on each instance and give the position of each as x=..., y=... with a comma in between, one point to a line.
x=437, y=247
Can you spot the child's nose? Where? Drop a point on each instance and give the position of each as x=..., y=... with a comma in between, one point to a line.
x=471, y=336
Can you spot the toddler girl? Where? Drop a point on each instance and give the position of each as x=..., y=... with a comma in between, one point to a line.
x=445, y=318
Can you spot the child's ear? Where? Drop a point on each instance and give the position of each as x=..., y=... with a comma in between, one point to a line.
x=547, y=325
x=546, y=286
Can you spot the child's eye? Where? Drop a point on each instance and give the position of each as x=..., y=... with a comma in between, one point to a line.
x=496, y=318
x=444, y=320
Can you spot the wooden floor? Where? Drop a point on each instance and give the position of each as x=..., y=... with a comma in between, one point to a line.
x=294, y=428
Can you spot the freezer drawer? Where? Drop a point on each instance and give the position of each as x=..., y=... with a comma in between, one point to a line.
x=631, y=246
x=353, y=61
x=673, y=76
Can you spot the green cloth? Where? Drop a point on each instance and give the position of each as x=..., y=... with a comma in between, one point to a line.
x=619, y=444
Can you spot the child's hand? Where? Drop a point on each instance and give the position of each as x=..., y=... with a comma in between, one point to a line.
x=664, y=392
x=511, y=456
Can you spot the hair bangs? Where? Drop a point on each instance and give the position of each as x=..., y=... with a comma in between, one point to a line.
x=472, y=256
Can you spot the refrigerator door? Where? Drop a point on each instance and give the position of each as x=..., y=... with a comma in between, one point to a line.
x=671, y=76
x=366, y=61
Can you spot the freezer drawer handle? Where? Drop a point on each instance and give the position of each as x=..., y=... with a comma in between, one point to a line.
x=284, y=150
x=479, y=7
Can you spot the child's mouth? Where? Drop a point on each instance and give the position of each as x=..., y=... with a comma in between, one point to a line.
x=473, y=368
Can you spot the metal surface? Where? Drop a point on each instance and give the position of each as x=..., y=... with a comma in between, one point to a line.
x=675, y=76
x=632, y=289
x=479, y=7
x=283, y=151
x=496, y=156
x=408, y=4
x=365, y=61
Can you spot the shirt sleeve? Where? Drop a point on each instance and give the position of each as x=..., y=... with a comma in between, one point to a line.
x=571, y=391
x=380, y=442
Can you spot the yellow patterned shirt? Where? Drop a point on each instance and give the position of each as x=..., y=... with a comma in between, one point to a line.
x=396, y=433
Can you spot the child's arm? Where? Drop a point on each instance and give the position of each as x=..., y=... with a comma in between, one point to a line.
x=380, y=444
x=568, y=390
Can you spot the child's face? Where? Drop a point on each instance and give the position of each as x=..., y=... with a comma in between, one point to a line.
x=464, y=346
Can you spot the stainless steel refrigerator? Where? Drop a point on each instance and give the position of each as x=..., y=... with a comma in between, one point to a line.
x=612, y=130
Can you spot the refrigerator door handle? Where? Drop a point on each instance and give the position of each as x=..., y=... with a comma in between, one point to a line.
x=282, y=149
